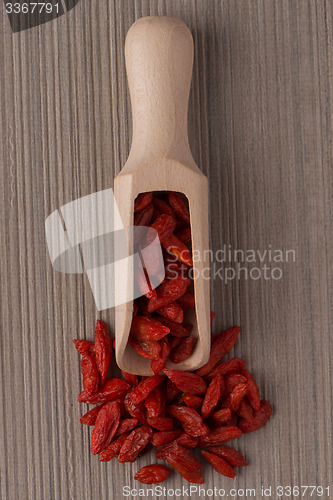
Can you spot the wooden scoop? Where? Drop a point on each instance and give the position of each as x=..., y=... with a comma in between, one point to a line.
x=159, y=59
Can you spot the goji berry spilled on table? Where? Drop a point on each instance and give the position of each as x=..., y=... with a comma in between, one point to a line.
x=172, y=411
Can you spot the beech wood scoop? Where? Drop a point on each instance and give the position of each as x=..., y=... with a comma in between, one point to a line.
x=159, y=59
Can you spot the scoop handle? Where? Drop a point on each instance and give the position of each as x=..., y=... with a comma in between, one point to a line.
x=159, y=60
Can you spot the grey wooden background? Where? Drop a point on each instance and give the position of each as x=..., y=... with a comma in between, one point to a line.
x=260, y=125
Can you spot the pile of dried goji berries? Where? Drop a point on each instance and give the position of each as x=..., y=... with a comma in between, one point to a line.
x=174, y=412
x=159, y=330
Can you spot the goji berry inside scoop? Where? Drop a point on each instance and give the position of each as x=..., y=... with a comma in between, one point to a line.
x=167, y=329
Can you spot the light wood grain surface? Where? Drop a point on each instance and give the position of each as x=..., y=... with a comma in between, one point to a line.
x=260, y=126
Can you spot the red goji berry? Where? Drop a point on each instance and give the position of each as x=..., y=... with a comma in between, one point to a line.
x=259, y=418
x=155, y=402
x=162, y=207
x=152, y=474
x=172, y=391
x=90, y=374
x=90, y=417
x=213, y=394
x=235, y=397
x=221, y=417
x=143, y=217
x=172, y=311
x=184, y=235
x=219, y=464
x=178, y=206
x=221, y=346
x=136, y=411
x=192, y=477
x=176, y=329
x=190, y=419
x=253, y=393
x=113, y=449
x=186, y=381
x=135, y=443
x=145, y=328
x=173, y=245
x=245, y=409
x=168, y=292
x=192, y=401
x=103, y=350
x=220, y=435
x=142, y=201
x=232, y=456
x=187, y=301
x=187, y=441
x=159, y=363
x=161, y=423
x=183, y=350
x=149, y=349
x=228, y=367
x=125, y=425
x=141, y=391
x=105, y=427
x=130, y=378
x=165, y=437
x=84, y=346
x=112, y=389
x=182, y=459
x=164, y=225
x=232, y=380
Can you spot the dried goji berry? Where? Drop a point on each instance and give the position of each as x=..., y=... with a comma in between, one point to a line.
x=182, y=459
x=136, y=411
x=245, y=409
x=141, y=391
x=149, y=349
x=130, y=378
x=158, y=364
x=187, y=301
x=164, y=225
x=142, y=201
x=178, y=206
x=173, y=245
x=235, y=397
x=135, y=443
x=176, y=329
x=220, y=435
x=145, y=328
x=165, y=437
x=172, y=391
x=190, y=419
x=183, y=350
x=143, y=217
x=161, y=423
x=90, y=417
x=259, y=418
x=163, y=208
x=232, y=456
x=155, y=402
x=219, y=464
x=186, y=381
x=103, y=350
x=152, y=474
x=253, y=393
x=143, y=283
x=112, y=389
x=90, y=375
x=232, y=365
x=187, y=441
x=172, y=311
x=168, y=292
x=84, y=346
x=105, y=427
x=113, y=449
x=192, y=401
x=221, y=417
x=184, y=235
x=231, y=381
x=221, y=346
x=212, y=396
x=192, y=477
x=125, y=425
